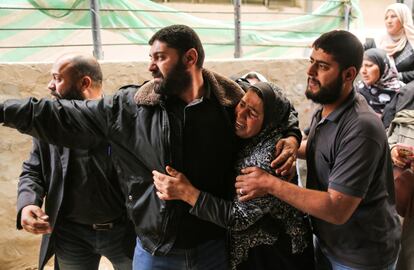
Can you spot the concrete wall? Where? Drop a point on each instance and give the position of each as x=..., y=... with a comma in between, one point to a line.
x=18, y=249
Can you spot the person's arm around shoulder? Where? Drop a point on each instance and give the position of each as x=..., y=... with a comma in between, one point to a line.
x=287, y=147
x=31, y=190
x=331, y=206
x=285, y=152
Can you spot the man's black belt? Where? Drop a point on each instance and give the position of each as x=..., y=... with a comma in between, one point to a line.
x=103, y=226
x=108, y=225
x=100, y=226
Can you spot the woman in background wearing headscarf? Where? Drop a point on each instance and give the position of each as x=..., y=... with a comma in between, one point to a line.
x=379, y=82
x=265, y=233
x=399, y=40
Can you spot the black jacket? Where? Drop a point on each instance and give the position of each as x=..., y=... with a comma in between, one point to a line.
x=34, y=186
x=137, y=126
x=42, y=179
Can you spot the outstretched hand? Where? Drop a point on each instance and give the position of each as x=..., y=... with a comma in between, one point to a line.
x=253, y=183
x=285, y=152
x=34, y=220
x=174, y=186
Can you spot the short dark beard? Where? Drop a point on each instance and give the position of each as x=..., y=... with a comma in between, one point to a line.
x=327, y=94
x=175, y=82
x=73, y=93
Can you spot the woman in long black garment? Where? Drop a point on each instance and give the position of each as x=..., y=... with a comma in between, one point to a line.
x=265, y=233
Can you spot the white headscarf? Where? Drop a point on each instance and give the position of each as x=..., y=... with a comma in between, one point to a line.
x=396, y=43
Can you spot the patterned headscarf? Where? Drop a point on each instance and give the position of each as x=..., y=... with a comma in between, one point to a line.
x=388, y=74
x=396, y=43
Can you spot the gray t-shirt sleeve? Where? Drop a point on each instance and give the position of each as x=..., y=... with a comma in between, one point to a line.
x=355, y=166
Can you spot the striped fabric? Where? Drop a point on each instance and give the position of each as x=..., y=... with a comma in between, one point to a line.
x=45, y=33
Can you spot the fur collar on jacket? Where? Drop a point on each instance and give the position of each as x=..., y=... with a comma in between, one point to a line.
x=227, y=92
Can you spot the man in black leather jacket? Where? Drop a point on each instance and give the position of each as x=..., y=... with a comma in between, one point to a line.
x=85, y=215
x=184, y=117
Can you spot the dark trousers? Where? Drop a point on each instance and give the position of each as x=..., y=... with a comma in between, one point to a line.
x=80, y=247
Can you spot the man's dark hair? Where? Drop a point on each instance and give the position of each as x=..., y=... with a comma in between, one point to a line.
x=345, y=48
x=86, y=66
x=182, y=38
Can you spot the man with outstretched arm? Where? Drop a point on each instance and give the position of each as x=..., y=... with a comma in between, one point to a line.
x=184, y=118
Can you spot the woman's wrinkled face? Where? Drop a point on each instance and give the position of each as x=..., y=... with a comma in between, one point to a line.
x=370, y=72
x=392, y=23
x=249, y=115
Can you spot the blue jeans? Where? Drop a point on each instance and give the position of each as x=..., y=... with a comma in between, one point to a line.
x=211, y=255
x=326, y=262
x=80, y=247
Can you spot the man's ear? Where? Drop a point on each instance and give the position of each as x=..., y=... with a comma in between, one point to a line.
x=349, y=74
x=85, y=86
x=85, y=83
x=191, y=57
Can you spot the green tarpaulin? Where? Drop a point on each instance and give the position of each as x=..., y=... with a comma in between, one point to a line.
x=46, y=28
